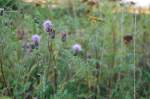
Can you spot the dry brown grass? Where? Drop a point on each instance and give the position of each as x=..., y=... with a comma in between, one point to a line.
x=130, y=9
x=133, y=10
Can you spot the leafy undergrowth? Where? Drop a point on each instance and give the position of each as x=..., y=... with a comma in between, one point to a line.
x=94, y=53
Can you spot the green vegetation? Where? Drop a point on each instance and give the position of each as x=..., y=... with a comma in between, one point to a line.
x=113, y=63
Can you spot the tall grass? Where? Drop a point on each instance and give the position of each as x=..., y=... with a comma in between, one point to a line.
x=106, y=68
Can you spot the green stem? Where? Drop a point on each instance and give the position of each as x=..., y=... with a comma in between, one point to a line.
x=3, y=76
x=52, y=57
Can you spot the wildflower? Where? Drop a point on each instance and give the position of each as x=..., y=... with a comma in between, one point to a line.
x=36, y=39
x=47, y=26
x=76, y=48
x=63, y=36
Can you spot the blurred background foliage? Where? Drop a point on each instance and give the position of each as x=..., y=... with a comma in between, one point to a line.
x=9, y=4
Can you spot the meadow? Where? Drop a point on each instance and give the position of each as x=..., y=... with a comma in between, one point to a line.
x=75, y=49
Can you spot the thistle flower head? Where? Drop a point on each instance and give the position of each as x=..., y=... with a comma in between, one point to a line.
x=47, y=25
x=36, y=38
x=76, y=48
x=63, y=36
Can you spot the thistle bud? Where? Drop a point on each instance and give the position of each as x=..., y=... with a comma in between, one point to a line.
x=63, y=36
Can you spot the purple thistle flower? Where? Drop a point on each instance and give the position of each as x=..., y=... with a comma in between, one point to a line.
x=76, y=48
x=36, y=38
x=47, y=25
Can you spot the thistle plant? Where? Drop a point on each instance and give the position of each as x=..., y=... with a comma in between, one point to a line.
x=92, y=60
x=48, y=27
x=36, y=40
x=76, y=49
x=63, y=36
